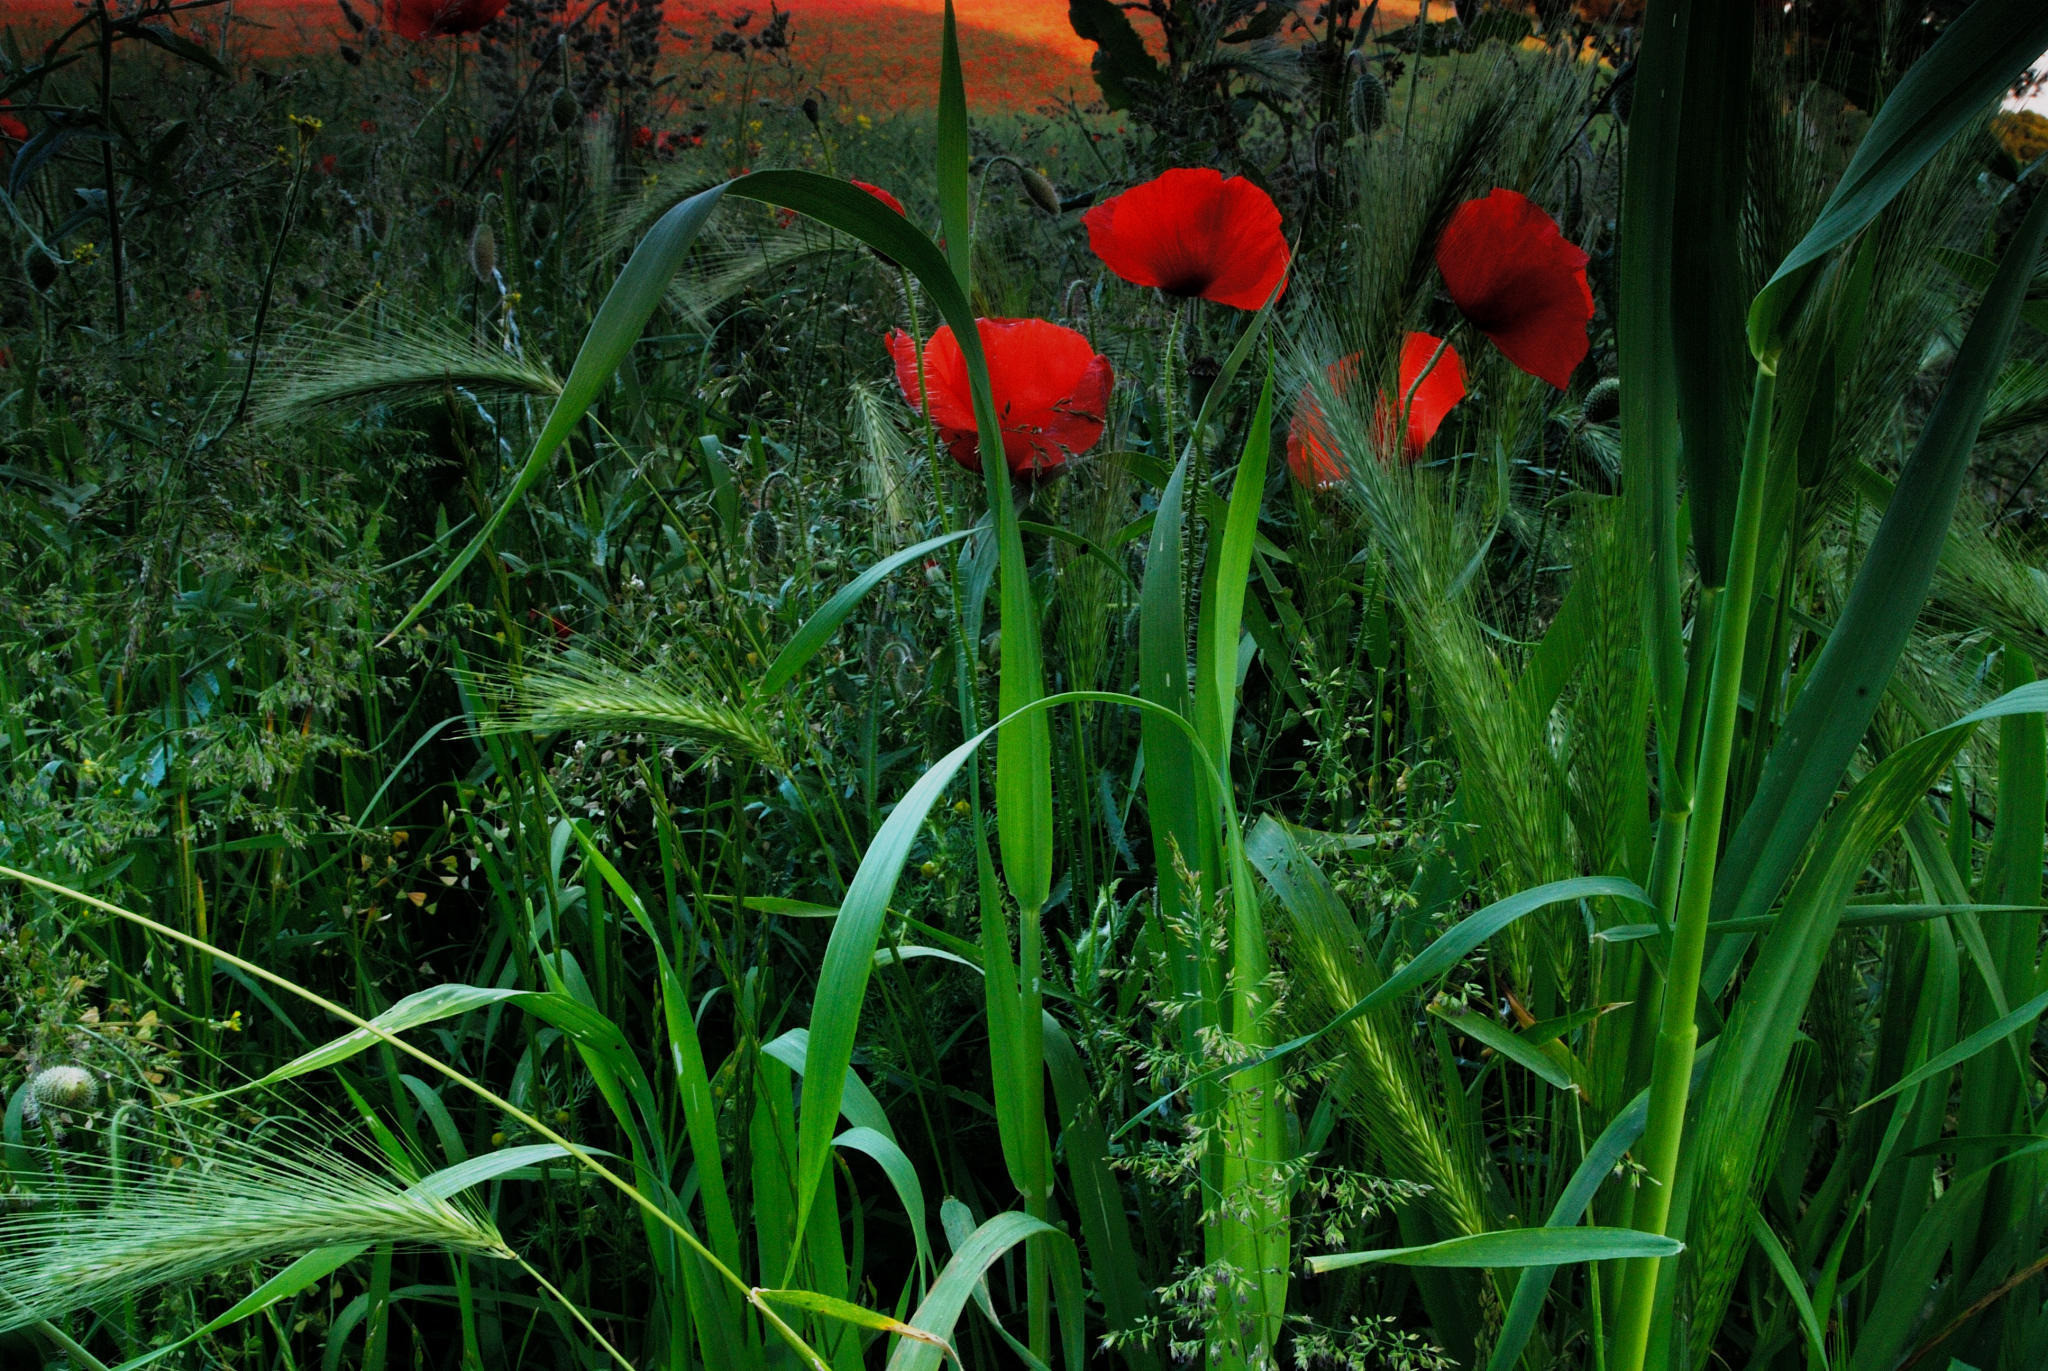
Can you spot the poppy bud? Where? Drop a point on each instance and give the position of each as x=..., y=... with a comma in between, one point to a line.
x=41, y=268
x=483, y=252
x=349, y=55
x=1603, y=402
x=1368, y=102
x=1042, y=191
x=65, y=1087
x=564, y=110
x=542, y=224
x=764, y=536
x=810, y=108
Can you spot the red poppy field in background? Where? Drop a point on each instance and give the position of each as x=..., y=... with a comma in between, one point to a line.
x=874, y=54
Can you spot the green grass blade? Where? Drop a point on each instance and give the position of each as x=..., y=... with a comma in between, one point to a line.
x=1228, y=577
x=1826, y=723
x=1509, y=1044
x=846, y=1311
x=953, y=150
x=1513, y=1247
x=1781, y=1262
x=817, y=630
x=941, y=1309
x=1436, y=959
x=1973, y=62
x=884, y=1152
x=308, y=1270
x=1990, y=1035
x=627, y=307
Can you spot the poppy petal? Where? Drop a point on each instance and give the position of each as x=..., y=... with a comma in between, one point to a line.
x=1432, y=383
x=1193, y=232
x=1050, y=387
x=884, y=196
x=1513, y=274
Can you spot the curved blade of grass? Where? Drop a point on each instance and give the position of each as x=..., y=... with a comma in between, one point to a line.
x=627, y=307
x=1990, y=1035
x=308, y=1270
x=850, y=953
x=1826, y=724
x=883, y=1152
x=654, y=1211
x=1433, y=961
x=819, y=628
x=1595, y=1167
x=1483, y=1030
x=1976, y=58
x=1781, y=1262
x=941, y=1309
x=832, y=1307
x=1513, y=1247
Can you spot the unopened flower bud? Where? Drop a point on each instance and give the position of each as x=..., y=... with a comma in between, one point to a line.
x=565, y=109
x=1368, y=102
x=41, y=268
x=65, y=1087
x=483, y=252
x=1603, y=402
x=1042, y=191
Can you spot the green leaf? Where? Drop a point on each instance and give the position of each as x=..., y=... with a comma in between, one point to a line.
x=1826, y=724
x=1976, y=58
x=941, y=1308
x=308, y=1270
x=1433, y=961
x=1781, y=1262
x=1990, y=1035
x=846, y=1311
x=819, y=628
x=1509, y=1044
x=627, y=307
x=1513, y=1247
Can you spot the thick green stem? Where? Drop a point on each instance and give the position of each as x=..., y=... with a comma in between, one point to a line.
x=1678, y=1029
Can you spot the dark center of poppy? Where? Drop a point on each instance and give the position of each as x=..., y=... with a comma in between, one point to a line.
x=1189, y=284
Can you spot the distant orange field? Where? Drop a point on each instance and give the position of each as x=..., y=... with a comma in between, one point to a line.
x=876, y=53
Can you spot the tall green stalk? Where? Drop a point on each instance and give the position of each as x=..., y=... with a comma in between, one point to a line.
x=1678, y=1028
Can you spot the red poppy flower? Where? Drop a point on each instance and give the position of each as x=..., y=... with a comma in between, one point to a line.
x=1050, y=386
x=1193, y=232
x=1515, y=277
x=884, y=196
x=643, y=137
x=439, y=18
x=1431, y=391
x=329, y=165
x=11, y=127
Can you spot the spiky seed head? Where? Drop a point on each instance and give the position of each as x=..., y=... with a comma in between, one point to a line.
x=483, y=252
x=1603, y=402
x=1043, y=193
x=764, y=535
x=65, y=1087
x=41, y=268
x=565, y=110
x=1368, y=102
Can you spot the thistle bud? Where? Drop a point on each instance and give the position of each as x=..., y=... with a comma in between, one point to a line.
x=1041, y=190
x=1368, y=102
x=64, y=1087
x=565, y=110
x=483, y=252
x=1603, y=402
x=41, y=268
